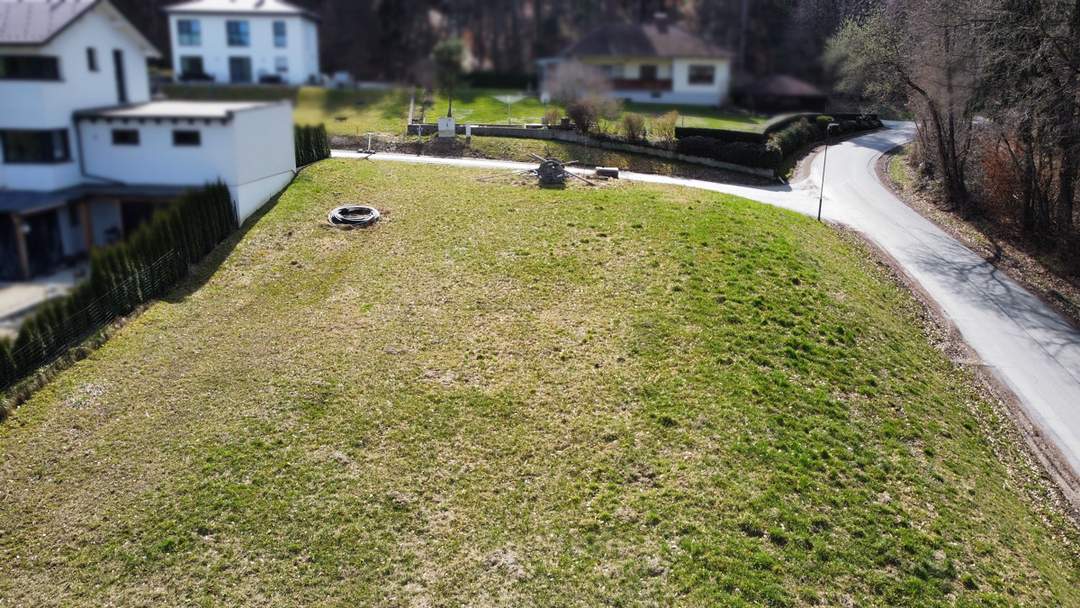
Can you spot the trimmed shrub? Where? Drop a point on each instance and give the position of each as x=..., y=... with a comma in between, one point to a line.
x=792, y=138
x=490, y=79
x=633, y=126
x=736, y=152
x=122, y=277
x=585, y=113
x=312, y=144
x=663, y=127
x=7, y=362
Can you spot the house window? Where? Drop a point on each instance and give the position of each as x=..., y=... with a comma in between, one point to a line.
x=238, y=32
x=189, y=32
x=281, y=65
x=702, y=74
x=186, y=138
x=91, y=59
x=125, y=137
x=29, y=67
x=35, y=147
x=607, y=70
x=280, y=38
x=648, y=73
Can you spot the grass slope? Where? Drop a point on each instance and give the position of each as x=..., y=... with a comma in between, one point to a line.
x=505, y=396
x=360, y=112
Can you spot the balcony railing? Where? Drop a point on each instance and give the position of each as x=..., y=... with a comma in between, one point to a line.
x=637, y=84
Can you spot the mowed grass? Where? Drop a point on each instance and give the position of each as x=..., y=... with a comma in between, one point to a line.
x=504, y=396
x=356, y=112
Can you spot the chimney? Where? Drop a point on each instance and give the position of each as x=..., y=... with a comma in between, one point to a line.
x=662, y=20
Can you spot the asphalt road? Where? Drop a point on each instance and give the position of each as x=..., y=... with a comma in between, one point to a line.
x=1029, y=347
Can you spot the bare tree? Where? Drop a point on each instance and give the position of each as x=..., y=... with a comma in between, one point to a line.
x=572, y=80
x=924, y=55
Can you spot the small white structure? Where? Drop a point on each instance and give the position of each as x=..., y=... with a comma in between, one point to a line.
x=447, y=127
x=656, y=62
x=184, y=143
x=85, y=156
x=244, y=41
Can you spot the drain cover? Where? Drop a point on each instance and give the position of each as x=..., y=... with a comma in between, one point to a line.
x=353, y=216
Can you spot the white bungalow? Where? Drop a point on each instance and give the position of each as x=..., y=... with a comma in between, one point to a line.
x=86, y=156
x=244, y=41
x=656, y=62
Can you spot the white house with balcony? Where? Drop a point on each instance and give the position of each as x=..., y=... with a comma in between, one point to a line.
x=656, y=62
x=86, y=156
x=244, y=41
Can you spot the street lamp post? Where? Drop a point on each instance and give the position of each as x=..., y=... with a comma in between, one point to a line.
x=829, y=132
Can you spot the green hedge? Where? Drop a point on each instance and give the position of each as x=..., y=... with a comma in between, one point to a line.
x=122, y=277
x=737, y=152
x=312, y=144
x=780, y=147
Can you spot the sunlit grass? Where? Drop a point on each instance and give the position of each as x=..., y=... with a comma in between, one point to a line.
x=386, y=111
x=503, y=395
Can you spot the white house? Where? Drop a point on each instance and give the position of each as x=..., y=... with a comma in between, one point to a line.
x=86, y=156
x=656, y=62
x=244, y=41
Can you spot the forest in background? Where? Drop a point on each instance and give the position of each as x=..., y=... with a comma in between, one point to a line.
x=389, y=39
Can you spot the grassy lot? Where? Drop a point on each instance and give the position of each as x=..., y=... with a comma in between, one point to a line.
x=358, y=112
x=514, y=397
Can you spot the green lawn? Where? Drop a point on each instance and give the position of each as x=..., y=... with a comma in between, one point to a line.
x=518, y=397
x=359, y=112
x=899, y=170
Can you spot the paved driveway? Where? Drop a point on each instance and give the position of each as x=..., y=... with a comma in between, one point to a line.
x=1027, y=345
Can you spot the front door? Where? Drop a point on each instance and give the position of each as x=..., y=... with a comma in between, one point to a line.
x=240, y=70
x=121, y=83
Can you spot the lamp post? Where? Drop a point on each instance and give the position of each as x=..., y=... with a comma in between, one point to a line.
x=832, y=129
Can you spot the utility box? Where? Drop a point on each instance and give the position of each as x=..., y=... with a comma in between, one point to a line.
x=447, y=127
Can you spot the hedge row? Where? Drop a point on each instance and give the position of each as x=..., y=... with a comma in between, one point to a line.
x=122, y=277
x=781, y=145
x=312, y=144
x=737, y=152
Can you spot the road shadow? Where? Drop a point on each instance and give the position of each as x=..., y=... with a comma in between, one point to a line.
x=981, y=284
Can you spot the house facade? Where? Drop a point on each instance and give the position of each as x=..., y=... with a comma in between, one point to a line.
x=656, y=62
x=86, y=156
x=243, y=42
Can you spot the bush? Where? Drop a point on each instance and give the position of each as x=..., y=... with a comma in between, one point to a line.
x=793, y=138
x=552, y=117
x=312, y=144
x=489, y=79
x=586, y=112
x=633, y=126
x=122, y=277
x=7, y=363
x=663, y=127
x=735, y=152
x=573, y=81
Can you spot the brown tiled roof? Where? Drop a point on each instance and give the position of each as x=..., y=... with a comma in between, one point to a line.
x=782, y=85
x=645, y=40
